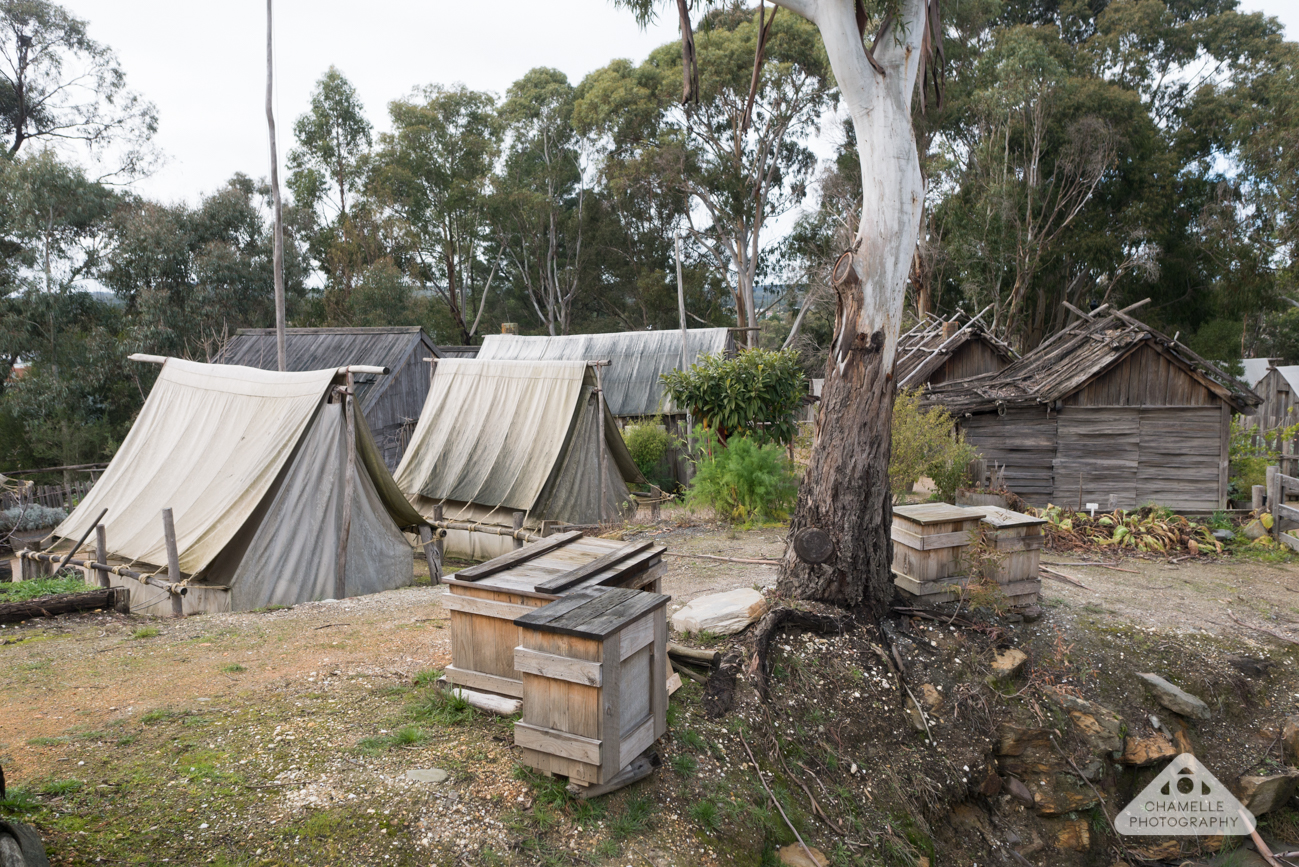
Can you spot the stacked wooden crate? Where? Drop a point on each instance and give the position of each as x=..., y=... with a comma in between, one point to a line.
x=484, y=600
x=594, y=669
x=932, y=556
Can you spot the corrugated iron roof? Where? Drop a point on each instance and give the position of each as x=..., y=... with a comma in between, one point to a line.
x=637, y=359
x=1067, y=361
x=321, y=348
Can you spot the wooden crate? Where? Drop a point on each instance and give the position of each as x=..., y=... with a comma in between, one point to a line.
x=1019, y=538
x=485, y=599
x=928, y=541
x=594, y=670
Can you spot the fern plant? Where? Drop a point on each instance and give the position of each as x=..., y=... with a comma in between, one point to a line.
x=742, y=481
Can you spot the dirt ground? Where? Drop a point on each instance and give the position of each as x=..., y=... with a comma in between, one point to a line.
x=283, y=737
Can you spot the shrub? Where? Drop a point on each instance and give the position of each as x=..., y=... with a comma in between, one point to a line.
x=925, y=443
x=742, y=481
x=648, y=442
x=753, y=394
x=1250, y=458
x=30, y=517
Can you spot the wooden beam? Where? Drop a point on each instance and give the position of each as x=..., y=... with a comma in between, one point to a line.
x=562, y=582
x=514, y=558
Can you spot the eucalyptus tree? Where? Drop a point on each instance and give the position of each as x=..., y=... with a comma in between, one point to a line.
x=58, y=85
x=844, y=503
x=327, y=174
x=434, y=171
x=542, y=195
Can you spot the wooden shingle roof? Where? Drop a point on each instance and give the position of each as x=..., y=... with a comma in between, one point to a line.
x=924, y=349
x=1087, y=347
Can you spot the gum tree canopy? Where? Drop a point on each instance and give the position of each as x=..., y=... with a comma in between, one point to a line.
x=844, y=505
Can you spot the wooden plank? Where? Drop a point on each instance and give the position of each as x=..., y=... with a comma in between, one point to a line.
x=555, y=667
x=639, y=740
x=485, y=607
x=527, y=552
x=1286, y=512
x=637, y=605
x=1022, y=543
x=563, y=582
x=929, y=543
x=636, y=689
x=610, y=758
x=557, y=743
x=636, y=636
x=932, y=513
x=658, y=673
x=479, y=680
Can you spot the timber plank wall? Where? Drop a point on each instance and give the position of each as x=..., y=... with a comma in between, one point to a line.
x=1145, y=431
x=974, y=357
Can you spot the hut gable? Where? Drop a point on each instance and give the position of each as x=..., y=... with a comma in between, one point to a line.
x=935, y=351
x=1145, y=377
x=391, y=402
x=1277, y=388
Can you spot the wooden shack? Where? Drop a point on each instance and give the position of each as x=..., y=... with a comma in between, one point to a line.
x=1277, y=389
x=485, y=599
x=937, y=351
x=1108, y=411
x=391, y=404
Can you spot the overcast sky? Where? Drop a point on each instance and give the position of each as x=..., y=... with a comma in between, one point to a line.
x=204, y=64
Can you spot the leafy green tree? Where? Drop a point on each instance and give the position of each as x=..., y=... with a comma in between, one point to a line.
x=59, y=85
x=754, y=394
x=434, y=172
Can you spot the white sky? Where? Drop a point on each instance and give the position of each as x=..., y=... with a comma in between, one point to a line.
x=204, y=64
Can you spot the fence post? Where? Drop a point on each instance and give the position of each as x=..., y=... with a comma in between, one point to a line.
x=518, y=525
x=173, y=561
x=1273, y=497
x=1257, y=494
x=101, y=554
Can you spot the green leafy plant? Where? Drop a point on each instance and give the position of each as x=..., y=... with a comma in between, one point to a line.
x=21, y=591
x=754, y=394
x=145, y=632
x=1251, y=454
x=648, y=442
x=925, y=442
x=742, y=481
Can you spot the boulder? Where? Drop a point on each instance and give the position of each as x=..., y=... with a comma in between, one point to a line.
x=1264, y=794
x=1026, y=752
x=1254, y=530
x=1100, y=726
x=1074, y=835
x=721, y=613
x=1009, y=662
x=1018, y=790
x=1146, y=751
x=1290, y=741
x=793, y=855
x=1174, y=698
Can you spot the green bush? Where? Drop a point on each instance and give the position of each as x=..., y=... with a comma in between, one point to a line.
x=31, y=517
x=925, y=442
x=1250, y=459
x=648, y=442
x=753, y=394
x=742, y=481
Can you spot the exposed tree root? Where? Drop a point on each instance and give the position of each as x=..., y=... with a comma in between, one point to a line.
x=782, y=618
x=719, y=692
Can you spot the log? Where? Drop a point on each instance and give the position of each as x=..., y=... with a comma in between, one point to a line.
x=498, y=704
x=710, y=658
x=637, y=770
x=115, y=598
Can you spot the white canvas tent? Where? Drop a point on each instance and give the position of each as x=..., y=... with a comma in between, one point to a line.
x=498, y=437
x=253, y=464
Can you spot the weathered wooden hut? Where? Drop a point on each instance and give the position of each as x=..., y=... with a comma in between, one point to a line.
x=637, y=359
x=1107, y=411
x=1277, y=388
x=937, y=351
x=391, y=403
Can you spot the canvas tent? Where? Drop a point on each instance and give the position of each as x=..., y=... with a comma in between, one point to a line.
x=498, y=437
x=391, y=402
x=253, y=464
x=632, y=382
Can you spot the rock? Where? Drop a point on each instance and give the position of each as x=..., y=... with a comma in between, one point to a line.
x=426, y=775
x=1146, y=751
x=1264, y=794
x=1174, y=698
x=1074, y=835
x=1026, y=752
x=1093, y=770
x=1031, y=613
x=1057, y=802
x=1290, y=741
x=721, y=613
x=1182, y=742
x=930, y=697
x=1100, y=727
x=1018, y=790
x=1251, y=666
x=1223, y=535
x=794, y=856
x=1166, y=851
x=1009, y=662
x=1253, y=530
x=991, y=785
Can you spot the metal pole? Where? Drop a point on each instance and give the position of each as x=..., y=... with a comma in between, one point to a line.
x=278, y=254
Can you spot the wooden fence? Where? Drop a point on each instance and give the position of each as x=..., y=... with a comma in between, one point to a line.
x=54, y=496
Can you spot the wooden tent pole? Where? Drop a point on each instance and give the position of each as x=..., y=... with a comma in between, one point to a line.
x=173, y=561
x=685, y=358
x=340, y=580
x=518, y=524
x=101, y=554
x=599, y=452
x=277, y=250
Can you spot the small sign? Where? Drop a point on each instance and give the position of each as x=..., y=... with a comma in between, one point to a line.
x=1092, y=507
x=1184, y=800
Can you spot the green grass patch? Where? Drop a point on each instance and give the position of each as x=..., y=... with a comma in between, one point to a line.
x=705, y=813
x=21, y=591
x=158, y=715
x=428, y=677
x=634, y=818
x=59, y=788
x=233, y=668
x=694, y=740
x=684, y=765
x=441, y=707
x=18, y=802
x=406, y=736
x=46, y=742
x=145, y=632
